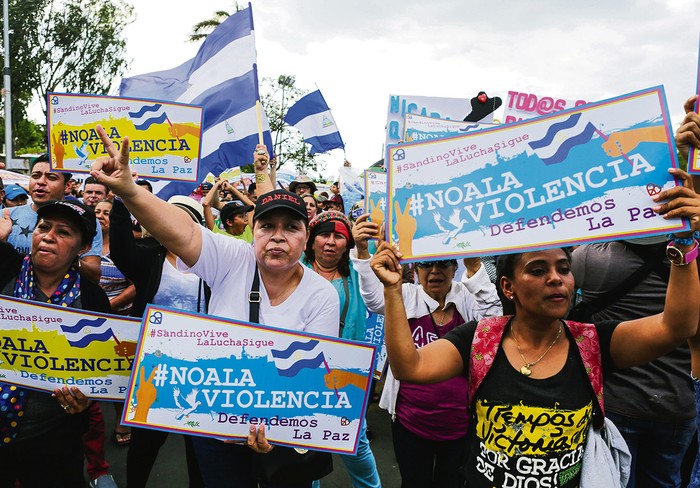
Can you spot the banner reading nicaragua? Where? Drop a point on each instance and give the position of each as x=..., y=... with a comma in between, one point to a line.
x=164, y=137
x=198, y=374
x=582, y=175
x=375, y=201
x=436, y=107
x=45, y=346
x=420, y=128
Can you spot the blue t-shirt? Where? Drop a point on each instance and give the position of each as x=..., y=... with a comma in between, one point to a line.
x=23, y=223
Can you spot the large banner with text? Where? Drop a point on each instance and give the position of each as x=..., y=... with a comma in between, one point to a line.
x=206, y=375
x=577, y=176
x=165, y=137
x=435, y=107
x=45, y=347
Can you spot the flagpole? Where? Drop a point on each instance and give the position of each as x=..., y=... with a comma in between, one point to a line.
x=259, y=116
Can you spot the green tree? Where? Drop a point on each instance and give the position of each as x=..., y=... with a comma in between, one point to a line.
x=63, y=45
x=278, y=94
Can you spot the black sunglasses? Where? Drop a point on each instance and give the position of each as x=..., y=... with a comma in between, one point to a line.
x=439, y=264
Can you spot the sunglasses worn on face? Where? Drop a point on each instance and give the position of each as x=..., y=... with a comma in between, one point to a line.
x=439, y=264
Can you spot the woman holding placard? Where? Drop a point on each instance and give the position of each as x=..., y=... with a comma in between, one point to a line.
x=33, y=425
x=429, y=427
x=534, y=380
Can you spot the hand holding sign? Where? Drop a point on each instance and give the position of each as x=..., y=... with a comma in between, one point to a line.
x=72, y=401
x=688, y=134
x=385, y=264
x=257, y=441
x=361, y=232
x=682, y=200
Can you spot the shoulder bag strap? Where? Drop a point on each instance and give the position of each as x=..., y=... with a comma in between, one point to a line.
x=485, y=344
x=344, y=313
x=254, y=299
x=588, y=344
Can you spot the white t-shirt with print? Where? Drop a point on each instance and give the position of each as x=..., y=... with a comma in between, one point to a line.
x=228, y=266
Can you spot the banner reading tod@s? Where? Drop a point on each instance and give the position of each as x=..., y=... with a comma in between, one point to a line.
x=45, y=347
x=576, y=176
x=205, y=375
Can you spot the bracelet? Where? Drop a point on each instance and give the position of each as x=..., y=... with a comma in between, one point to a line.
x=684, y=241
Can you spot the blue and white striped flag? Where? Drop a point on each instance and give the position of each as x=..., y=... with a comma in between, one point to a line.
x=148, y=115
x=561, y=137
x=313, y=118
x=298, y=355
x=87, y=331
x=223, y=79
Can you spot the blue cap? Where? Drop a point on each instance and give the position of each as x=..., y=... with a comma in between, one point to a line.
x=13, y=191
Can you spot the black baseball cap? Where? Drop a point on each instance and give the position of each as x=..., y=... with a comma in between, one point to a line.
x=233, y=208
x=75, y=210
x=280, y=199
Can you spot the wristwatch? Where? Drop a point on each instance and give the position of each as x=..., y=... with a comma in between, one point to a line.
x=679, y=257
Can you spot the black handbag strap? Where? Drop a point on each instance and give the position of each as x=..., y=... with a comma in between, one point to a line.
x=344, y=313
x=254, y=299
x=652, y=262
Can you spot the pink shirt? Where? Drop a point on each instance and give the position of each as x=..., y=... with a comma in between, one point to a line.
x=437, y=411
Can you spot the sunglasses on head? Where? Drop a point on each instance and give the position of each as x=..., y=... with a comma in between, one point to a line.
x=439, y=264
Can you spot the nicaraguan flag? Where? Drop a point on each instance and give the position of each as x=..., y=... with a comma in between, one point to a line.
x=313, y=118
x=561, y=137
x=87, y=331
x=223, y=79
x=297, y=356
x=148, y=115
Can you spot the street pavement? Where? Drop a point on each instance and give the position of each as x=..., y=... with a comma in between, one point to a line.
x=170, y=470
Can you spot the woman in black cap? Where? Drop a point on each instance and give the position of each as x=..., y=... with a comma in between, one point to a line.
x=292, y=296
x=34, y=427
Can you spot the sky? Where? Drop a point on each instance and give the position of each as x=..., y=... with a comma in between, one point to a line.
x=360, y=52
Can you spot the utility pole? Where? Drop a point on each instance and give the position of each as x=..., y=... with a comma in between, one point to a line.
x=6, y=86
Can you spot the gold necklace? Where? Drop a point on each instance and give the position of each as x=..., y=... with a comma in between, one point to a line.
x=525, y=370
x=442, y=319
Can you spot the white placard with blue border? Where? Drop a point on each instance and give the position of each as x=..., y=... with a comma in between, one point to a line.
x=576, y=176
x=420, y=128
x=204, y=375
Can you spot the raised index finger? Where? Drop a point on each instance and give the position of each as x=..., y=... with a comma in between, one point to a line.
x=109, y=145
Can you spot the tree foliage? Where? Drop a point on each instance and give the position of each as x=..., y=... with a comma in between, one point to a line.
x=277, y=95
x=63, y=45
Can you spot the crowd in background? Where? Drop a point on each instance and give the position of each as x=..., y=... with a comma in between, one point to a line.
x=467, y=388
